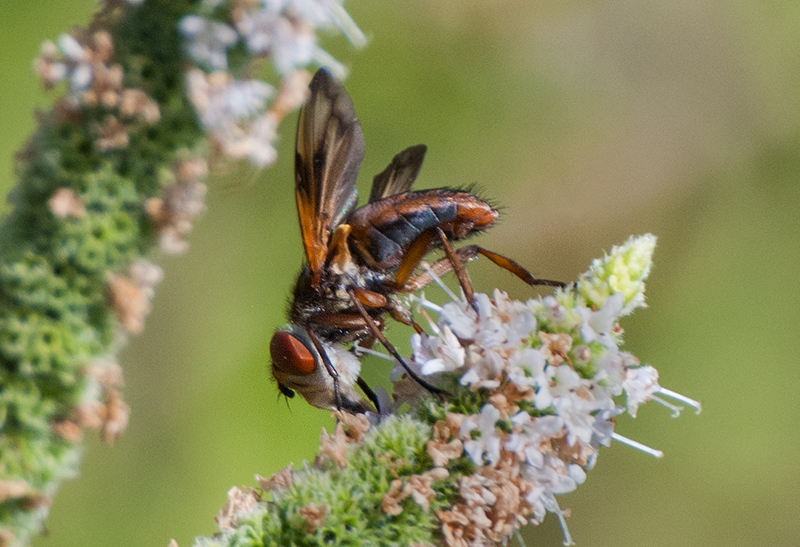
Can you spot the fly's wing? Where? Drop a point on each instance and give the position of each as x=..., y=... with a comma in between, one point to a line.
x=329, y=150
x=398, y=177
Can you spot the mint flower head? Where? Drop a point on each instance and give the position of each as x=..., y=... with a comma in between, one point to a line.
x=242, y=114
x=534, y=389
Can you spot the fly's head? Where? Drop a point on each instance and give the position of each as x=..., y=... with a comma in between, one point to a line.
x=299, y=366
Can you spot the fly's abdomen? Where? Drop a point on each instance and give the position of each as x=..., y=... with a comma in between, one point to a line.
x=385, y=229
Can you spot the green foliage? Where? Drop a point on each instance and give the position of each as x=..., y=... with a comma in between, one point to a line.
x=354, y=494
x=109, y=235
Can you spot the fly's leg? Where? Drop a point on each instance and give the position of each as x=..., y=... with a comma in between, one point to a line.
x=372, y=299
x=458, y=267
x=329, y=367
x=438, y=269
x=468, y=253
x=345, y=321
x=418, y=250
x=412, y=257
x=402, y=315
x=515, y=268
x=369, y=393
x=376, y=332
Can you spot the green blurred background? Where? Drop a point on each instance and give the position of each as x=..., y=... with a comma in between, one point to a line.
x=589, y=121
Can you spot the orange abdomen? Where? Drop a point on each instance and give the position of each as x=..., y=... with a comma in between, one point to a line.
x=385, y=229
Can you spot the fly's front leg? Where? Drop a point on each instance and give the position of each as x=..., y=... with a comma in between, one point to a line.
x=369, y=393
x=349, y=322
x=337, y=396
x=402, y=315
x=376, y=332
x=345, y=322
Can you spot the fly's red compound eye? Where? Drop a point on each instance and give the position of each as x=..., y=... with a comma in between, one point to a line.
x=290, y=355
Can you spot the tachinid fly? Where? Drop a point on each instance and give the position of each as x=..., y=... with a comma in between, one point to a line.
x=359, y=259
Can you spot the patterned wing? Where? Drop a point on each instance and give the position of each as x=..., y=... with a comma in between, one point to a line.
x=329, y=150
x=401, y=173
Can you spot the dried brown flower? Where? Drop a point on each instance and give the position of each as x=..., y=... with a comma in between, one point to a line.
x=135, y=102
x=130, y=296
x=117, y=413
x=103, y=46
x=492, y=505
x=111, y=135
x=128, y=302
x=10, y=489
x=456, y=529
x=555, y=347
x=292, y=93
x=315, y=515
x=390, y=504
x=334, y=446
x=109, y=416
x=440, y=449
x=280, y=480
x=107, y=373
x=65, y=203
x=69, y=430
x=6, y=538
x=419, y=486
x=355, y=425
x=181, y=202
x=239, y=501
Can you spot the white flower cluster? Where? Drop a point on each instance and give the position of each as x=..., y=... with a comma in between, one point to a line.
x=66, y=60
x=235, y=111
x=552, y=371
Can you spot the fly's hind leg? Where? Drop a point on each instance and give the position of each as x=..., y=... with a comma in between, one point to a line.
x=468, y=253
x=458, y=267
x=369, y=393
x=516, y=269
